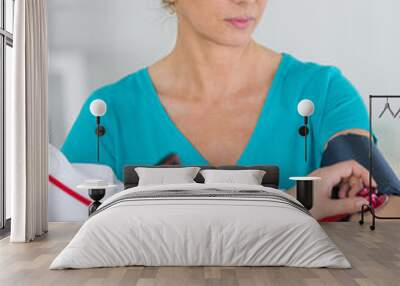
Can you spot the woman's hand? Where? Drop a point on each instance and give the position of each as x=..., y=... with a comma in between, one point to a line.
x=351, y=177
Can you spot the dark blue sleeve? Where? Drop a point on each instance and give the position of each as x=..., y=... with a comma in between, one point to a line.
x=356, y=147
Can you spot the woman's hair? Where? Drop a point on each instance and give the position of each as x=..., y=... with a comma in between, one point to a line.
x=169, y=5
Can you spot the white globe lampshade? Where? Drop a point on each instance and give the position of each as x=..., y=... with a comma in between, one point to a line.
x=305, y=107
x=98, y=107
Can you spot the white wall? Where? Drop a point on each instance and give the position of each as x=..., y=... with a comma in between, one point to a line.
x=94, y=42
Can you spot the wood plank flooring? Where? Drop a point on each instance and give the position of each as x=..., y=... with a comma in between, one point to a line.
x=375, y=257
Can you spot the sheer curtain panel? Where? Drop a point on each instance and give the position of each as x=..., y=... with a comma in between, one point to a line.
x=27, y=124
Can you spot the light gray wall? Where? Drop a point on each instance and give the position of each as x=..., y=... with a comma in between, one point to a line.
x=94, y=42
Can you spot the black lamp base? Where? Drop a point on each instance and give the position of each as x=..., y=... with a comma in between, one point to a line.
x=305, y=190
x=304, y=193
x=96, y=195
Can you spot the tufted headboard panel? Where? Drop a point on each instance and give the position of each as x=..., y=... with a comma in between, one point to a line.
x=270, y=179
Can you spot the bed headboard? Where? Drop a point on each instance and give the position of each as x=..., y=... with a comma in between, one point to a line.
x=270, y=179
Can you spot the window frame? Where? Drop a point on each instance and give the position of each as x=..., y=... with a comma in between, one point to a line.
x=6, y=39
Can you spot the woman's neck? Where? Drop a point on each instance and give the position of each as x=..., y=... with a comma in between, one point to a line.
x=211, y=70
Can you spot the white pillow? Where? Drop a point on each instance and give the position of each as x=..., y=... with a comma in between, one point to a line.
x=248, y=177
x=162, y=176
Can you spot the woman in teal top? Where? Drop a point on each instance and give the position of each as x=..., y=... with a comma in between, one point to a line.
x=140, y=131
x=220, y=98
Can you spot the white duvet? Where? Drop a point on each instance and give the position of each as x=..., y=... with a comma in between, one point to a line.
x=200, y=231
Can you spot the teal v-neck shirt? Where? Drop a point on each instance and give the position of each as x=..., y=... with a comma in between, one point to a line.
x=140, y=131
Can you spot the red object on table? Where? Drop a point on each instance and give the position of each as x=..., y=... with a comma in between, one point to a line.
x=69, y=191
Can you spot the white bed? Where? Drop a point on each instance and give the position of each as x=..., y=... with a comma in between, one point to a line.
x=267, y=229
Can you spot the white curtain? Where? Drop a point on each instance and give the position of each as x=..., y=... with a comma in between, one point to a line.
x=26, y=123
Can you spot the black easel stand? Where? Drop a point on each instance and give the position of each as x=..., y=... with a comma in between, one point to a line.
x=369, y=207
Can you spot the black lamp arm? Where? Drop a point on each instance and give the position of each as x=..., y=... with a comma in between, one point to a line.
x=304, y=131
x=100, y=131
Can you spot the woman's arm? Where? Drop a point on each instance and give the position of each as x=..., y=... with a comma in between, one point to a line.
x=292, y=191
x=349, y=185
x=325, y=206
x=343, y=112
x=332, y=176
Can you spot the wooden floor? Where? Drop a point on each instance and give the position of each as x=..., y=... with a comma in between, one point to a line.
x=375, y=257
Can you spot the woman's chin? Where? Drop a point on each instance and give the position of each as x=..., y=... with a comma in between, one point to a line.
x=233, y=40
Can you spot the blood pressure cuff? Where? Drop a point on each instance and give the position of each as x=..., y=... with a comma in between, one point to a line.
x=356, y=147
